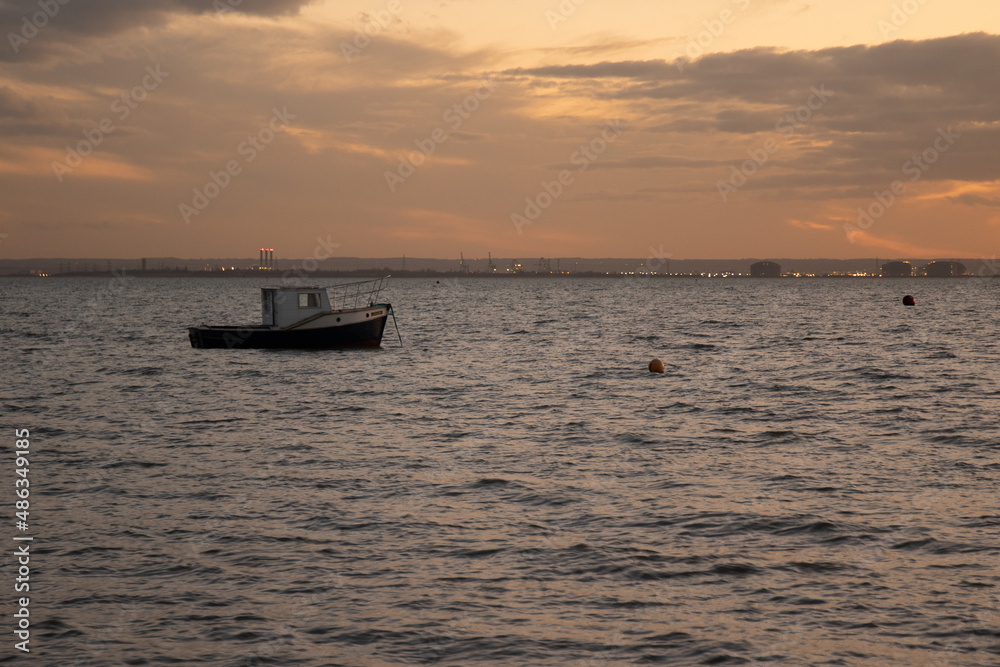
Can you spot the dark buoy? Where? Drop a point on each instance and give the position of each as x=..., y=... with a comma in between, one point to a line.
x=908, y=300
x=655, y=366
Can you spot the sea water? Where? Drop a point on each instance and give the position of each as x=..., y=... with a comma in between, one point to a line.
x=812, y=481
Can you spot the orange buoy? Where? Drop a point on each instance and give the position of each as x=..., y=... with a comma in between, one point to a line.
x=908, y=300
x=656, y=366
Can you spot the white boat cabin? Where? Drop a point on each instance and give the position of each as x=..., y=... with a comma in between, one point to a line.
x=285, y=306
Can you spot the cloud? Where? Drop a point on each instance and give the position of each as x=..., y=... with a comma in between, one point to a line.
x=355, y=119
x=75, y=21
x=38, y=162
x=656, y=162
x=971, y=199
x=848, y=115
x=911, y=71
x=604, y=44
x=808, y=224
x=901, y=248
x=13, y=105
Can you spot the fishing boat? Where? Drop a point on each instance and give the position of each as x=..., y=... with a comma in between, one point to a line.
x=307, y=317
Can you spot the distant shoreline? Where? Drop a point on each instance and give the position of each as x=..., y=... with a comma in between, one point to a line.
x=288, y=276
x=565, y=267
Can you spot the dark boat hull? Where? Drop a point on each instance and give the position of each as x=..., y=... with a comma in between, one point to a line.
x=360, y=334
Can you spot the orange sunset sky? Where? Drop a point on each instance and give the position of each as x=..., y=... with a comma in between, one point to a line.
x=729, y=128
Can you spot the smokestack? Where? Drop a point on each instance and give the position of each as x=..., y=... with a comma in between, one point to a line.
x=270, y=259
x=260, y=264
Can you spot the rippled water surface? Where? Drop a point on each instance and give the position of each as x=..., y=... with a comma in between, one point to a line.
x=813, y=481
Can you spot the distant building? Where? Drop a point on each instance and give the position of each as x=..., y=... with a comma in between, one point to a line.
x=765, y=270
x=943, y=269
x=897, y=270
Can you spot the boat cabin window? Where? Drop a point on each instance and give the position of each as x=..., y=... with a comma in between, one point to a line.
x=308, y=299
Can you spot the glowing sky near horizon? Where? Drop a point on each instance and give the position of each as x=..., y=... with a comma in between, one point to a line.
x=730, y=128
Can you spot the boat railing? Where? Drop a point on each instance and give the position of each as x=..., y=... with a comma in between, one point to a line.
x=348, y=296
